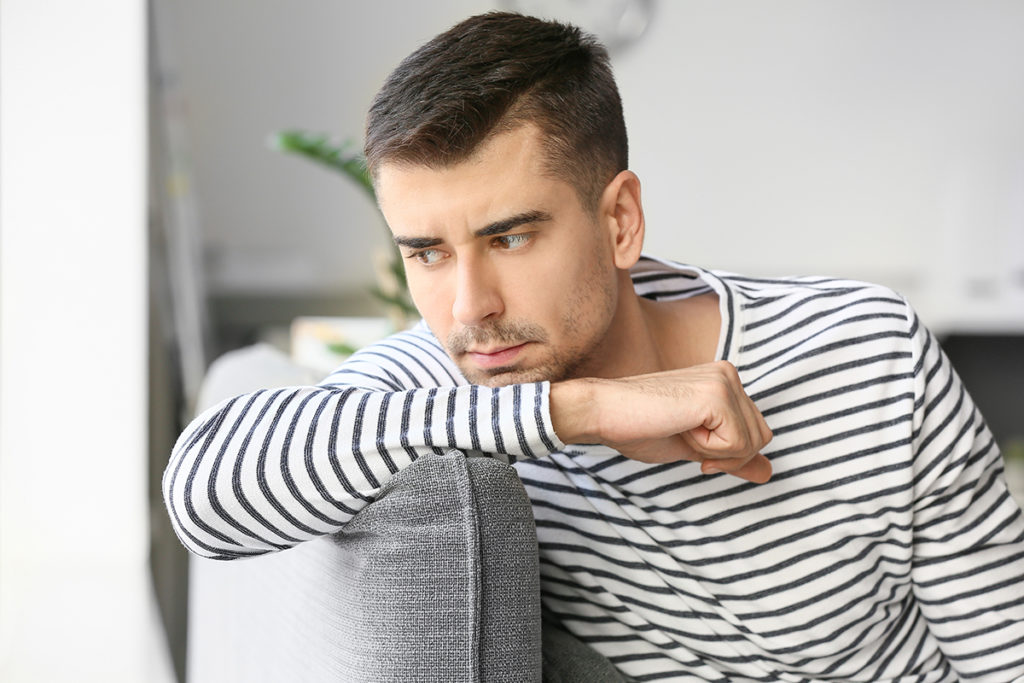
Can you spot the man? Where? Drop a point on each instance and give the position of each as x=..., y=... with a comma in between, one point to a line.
x=732, y=478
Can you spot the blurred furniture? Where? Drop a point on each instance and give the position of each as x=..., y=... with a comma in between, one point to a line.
x=436, y=580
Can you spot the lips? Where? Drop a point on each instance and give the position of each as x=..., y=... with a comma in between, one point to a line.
x=496, y=357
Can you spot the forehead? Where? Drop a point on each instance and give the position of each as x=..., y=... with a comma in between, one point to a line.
x=507, y=153
x=506, y=175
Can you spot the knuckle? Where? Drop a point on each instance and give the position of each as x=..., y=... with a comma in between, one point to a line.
x=727, y=369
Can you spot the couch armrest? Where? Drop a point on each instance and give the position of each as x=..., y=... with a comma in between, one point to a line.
x=437, y=580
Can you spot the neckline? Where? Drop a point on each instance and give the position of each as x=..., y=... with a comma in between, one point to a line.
x=646, y=283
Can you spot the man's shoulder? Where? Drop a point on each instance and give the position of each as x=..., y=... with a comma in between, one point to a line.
x=807, y=287
x=819, y=307
x=660, y=276
x=813, y=326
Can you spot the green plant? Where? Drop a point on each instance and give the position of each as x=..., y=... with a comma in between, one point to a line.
x=392, y=288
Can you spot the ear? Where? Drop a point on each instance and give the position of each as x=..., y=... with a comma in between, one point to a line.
x=623, y=214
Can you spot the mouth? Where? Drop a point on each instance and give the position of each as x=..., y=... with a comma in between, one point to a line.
x=497, y=357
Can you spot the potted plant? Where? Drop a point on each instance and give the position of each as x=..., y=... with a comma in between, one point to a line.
x=391, y=288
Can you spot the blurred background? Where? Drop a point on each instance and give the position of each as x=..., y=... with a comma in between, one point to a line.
x=148, y=228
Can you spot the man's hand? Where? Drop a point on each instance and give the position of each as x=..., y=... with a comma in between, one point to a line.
x=699, y=413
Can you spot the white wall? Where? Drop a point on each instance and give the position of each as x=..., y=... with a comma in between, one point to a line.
x=248, y=68
x=75, y=603
x=865, y=138
x=868, y=138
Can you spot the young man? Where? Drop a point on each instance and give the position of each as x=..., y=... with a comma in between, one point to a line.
x=732, y=478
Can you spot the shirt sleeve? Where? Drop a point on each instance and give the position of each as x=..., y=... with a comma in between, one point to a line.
x=968, y=554
x=264, y=471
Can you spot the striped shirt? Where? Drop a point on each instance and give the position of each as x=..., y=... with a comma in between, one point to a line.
x=886, y=546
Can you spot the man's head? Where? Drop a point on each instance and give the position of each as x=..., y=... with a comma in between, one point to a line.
x=491, y=74
x=498, y=155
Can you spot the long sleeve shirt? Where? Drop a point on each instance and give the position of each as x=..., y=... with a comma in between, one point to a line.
x=886, y=547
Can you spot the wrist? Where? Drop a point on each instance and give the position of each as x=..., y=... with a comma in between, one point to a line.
x=573, y=405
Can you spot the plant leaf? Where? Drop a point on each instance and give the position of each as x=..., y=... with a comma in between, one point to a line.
x=317, y=148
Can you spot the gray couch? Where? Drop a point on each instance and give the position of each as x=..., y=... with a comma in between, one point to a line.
x=437, y=580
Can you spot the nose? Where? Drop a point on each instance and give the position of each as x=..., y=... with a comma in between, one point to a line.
x=477, y=295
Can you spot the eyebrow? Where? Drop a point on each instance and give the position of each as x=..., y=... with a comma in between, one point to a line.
x=417, y=242
x=513, y=222
x=495, y=228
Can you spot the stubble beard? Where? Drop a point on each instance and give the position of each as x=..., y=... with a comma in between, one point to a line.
x=562, y=362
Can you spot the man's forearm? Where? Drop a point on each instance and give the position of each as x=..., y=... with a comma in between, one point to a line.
x=573, y=413
x=267, y=470
x=699, y=413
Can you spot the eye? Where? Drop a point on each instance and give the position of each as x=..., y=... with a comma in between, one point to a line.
x=427, y=257
x=512, y=242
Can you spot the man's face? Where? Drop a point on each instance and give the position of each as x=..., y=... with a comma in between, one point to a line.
x=511, y=273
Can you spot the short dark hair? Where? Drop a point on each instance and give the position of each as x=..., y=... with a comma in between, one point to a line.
x=493, y=73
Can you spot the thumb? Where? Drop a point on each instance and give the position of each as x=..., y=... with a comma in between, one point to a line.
x=757, y=470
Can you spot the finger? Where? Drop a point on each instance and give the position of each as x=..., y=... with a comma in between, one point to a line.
x=757, y=429
x=672, y=449
x=729, y=465
x=731, y=439
x=758, y=469
x=738, y=431
x=766, y=432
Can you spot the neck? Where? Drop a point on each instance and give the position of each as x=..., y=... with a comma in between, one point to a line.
x=653, y=336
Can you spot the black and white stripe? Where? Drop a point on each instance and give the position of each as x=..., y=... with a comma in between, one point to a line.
x=262, y=472
x=885, y=547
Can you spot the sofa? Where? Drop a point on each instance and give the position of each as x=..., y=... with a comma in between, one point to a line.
x=436, y=580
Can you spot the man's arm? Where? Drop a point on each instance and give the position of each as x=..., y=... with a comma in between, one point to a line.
x=267, y=470
x=968, y=563
x=264, y=471
x=700, y=413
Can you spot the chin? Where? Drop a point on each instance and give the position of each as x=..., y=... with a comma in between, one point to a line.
x=501, y=377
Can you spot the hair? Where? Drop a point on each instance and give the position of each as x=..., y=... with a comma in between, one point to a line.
x=493, y=73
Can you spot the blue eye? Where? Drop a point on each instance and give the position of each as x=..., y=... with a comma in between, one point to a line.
x=512, y=242
x=427, y=257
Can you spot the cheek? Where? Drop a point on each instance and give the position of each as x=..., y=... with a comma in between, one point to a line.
x=536, y=291
x=566, y=282
x=590, y=303
x=431, y=300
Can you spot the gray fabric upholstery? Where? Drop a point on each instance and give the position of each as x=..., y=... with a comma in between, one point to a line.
x=442, y=577
x=437, y=580
x=567, y=659
x=510, y=638
x=392, y=598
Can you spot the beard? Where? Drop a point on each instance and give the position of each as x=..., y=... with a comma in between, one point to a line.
x=560, y=363
x=583, y=326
